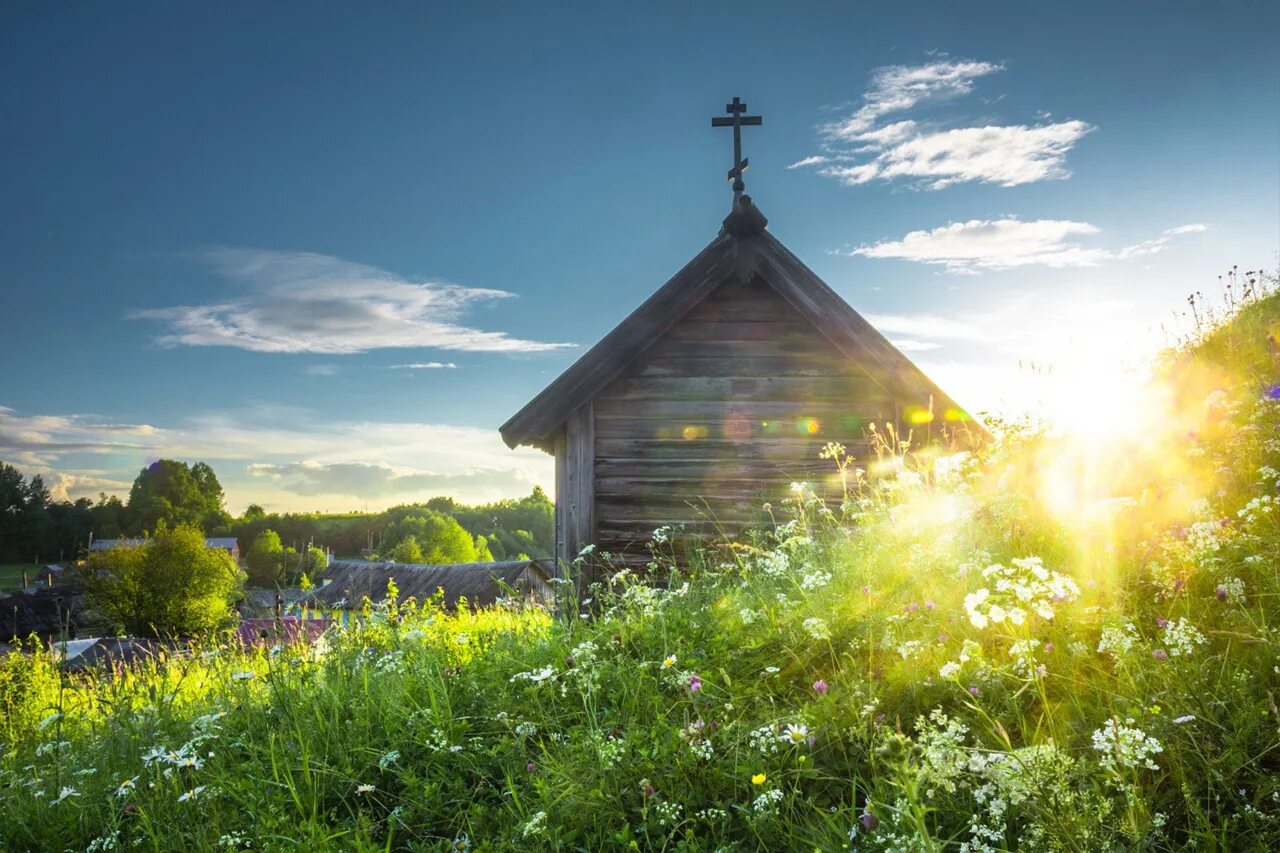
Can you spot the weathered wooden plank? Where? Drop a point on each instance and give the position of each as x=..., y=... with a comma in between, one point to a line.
x=757, y=310
x=693, y=470
x=677, y=449
x=831, y=388
x=720, y=330
x=742, y=365
x=695, y=489
x=742, y=426
x=718, y=410
x=575, y=487
x=561, y=552
x=670, y=347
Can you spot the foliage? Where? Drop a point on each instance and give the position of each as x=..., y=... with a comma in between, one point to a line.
x=407, y=550
x=1032, y=648
x=266, y=559
x=172, y=493
x=171, y=586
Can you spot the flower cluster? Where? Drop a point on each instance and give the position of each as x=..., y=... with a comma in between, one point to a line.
x=1125, y=746
x=1015, y=591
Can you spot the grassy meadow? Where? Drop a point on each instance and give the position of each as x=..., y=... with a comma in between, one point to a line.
x=1056, y=643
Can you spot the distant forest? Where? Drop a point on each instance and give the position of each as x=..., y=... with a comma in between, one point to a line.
x=169, y=493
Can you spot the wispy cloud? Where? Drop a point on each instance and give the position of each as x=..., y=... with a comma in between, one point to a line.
x=862, y=147
x=424, y=365
x=1001, y=244
x=300, y=302
x=376, y=481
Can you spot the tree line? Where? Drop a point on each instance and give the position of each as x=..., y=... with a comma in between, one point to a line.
x=169, y=494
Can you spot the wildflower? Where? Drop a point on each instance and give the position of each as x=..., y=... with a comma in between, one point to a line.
x=646, y=788
x=388, y=759
x=126, y=786
x=796, y=733
x=531, y=767
x=820, y=687
x=771, y=670
x=817, y=628
x=949, y=669
x=1160, y=655
x=869, y=820
x=462, y=844
x=1124, y=745
x=462, y=639
x=243, y=675
x=695, y=684
x=366, y=788
x=192, y=794
x=66, y=793
x=973, y=690
x=535, y=825
x=668, y=662
x=766, y=801
x=1177, y=721
x=758, y=779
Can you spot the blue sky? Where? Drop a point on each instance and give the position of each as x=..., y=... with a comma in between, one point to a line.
x=240, y=232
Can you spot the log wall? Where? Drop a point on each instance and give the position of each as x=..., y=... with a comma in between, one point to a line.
x=721, y=413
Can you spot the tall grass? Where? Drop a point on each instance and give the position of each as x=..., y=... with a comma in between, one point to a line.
x=1036, y=648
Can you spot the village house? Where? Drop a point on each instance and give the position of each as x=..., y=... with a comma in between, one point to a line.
x=718, y=393
x=344, y=586
x=227, y=543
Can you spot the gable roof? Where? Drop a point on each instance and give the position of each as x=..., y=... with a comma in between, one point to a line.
x=743, y=250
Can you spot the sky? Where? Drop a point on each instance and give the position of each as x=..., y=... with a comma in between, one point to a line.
x=330, y=248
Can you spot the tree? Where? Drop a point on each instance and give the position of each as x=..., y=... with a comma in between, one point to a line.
x=407, y=550
x=315, y=561
x=265, y=559
x=172, y=586
x=165, y=492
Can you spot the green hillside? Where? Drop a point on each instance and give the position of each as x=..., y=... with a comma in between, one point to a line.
x=1054, y=645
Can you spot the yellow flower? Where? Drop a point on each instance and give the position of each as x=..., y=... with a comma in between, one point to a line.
x=758, y=779
x=669, y=662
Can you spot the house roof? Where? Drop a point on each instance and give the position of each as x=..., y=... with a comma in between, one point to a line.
x=44, y=612
x=743, y=249
x=108, y=652
x=348, y=582
x=288, y=629
x=226, y=542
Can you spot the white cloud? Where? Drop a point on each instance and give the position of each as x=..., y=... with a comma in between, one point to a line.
x=266, y=455
x=1007, y=155
x=925, y=326
x=862, y=147
x=1000, y=244
x=895, y=88
x=303, y=302
x=321, y=370
x=808, y=161
x=424, y=365
x=909, y=345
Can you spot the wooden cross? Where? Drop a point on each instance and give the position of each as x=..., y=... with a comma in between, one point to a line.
x=737, y=121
